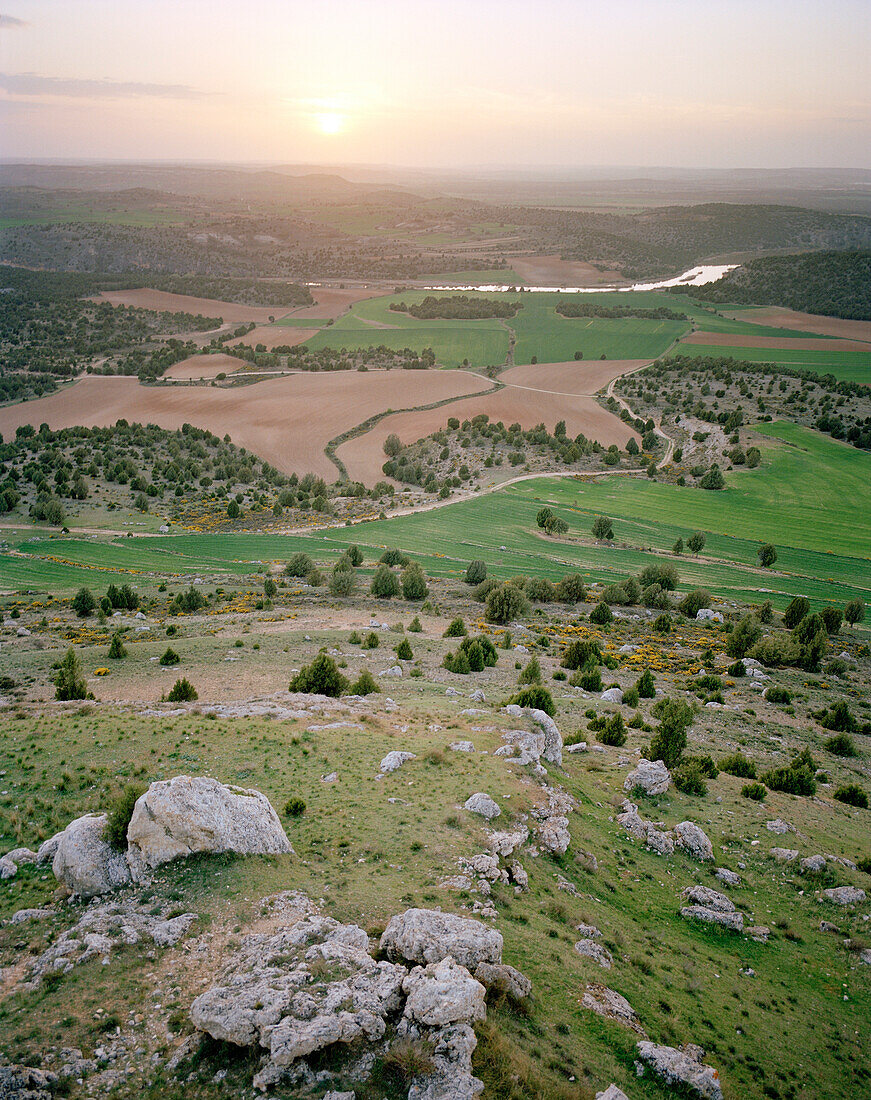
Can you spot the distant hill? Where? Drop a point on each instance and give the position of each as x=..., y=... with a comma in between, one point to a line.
x=837, y=284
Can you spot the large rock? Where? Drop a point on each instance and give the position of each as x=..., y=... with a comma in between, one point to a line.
x=394, y=760
x=504, y=979
x=844, y=895
x=86, y=862
x=713, y=907
x=612, y=695
x=427, y=936
x=652, y=776
x=612, y=1005
x=443, y=993
x=181, y=816
x=483, y=804
x=595, y=951
x=682, y=1066
x=636, y=826
x=26, y=1083
x=612, y=1093
x=553, y=742
x=694, y=841
x=784, y=855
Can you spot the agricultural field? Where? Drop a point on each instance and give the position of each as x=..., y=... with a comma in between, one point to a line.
x=847, y=366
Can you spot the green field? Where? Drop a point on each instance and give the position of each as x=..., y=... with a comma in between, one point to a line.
x=811, y=497
x=98, y=217
x=846, y=366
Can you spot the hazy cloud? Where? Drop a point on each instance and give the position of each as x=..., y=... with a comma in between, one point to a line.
x=7, y=21
x=31, y=84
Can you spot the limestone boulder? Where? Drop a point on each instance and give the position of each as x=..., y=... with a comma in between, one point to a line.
x=844, y=895
x=682, y=1066
x=652, y=776
x=178, y=817
x=694, y=841
x=595, y=951
x=85, y=862
x=504, y=979
x=553, y=742
x=427, y=936
x=394, y=760
x=443, y=993
x=482, y=804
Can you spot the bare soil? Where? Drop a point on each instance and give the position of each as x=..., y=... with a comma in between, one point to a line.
x=144, y=298
x=778, y=317
x=274, y=336
x=332, y=302
x=552, y=271
x=790, y=343
x=581, y=378
x=287, y=421
x=203, y=366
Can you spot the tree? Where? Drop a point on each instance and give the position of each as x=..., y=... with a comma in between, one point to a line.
x=832, y=618
x=678, y=547
x=812, y=639
x=571, y=588
x=602, y=528
x=632, y=447
x=170, y=657
x=713, y=479
x=745, y=635
x=601, y=614
x=696, y=542
x=505, y=603
x=854, y=611
x=404, y=651
x=84, y=603
x=413, y=582
x=583, y=653
x=798, y=607
x=342, y=582
x=556, y=526
x=393, y=556
x=455, y=629
x=670, y=738
x=767, y=555
x=543, y=517
x=392, y=445
x=233, y=510
x=364, y=684
x=662, y=573
x=355, y=555
x=69, y=682
x=298, y=565
x=385, y=583
x=270, y=588
x=646, y=685
x=321, y=677
x=476, y=571
x=531, y=674
x=183, y=691
x=693, y=602
x=116, y=647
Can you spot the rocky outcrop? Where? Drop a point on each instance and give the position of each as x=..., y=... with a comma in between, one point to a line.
x=503, y=979
x=552, y=744
x=682, y=1066
x=595, y=951
x=813, y=864
x=482, y=804
x=647, y=831
x=610, y=1004
x=443, y=993
x=426, y=936
x=651, y=776
x=394, y=760
x=178, y=817
x=712, y=907
x=693, y=841
x=784, y=855
x=85, y=862
x=26, y=1083
x=730, y=878
x=844, y=895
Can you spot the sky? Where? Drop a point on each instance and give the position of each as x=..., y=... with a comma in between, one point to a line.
x=441, y=83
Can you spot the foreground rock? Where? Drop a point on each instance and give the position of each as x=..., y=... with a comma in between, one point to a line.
x=682, y=1067
x=26, y=1083
x=178, y=817
x=612, y=1005
x=85, y=862
x=694, y=841
x=551, y=747
x=482, y=804
x=651, y=776
x=647, y=831
x=712, y=907
x=844, y=895
x=427, y=936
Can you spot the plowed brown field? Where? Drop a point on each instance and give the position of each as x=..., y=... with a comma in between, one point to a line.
x=144, y=298
x=790, y=343
x=274, y=336
x=203, y=366
x=552, y=271
x=533, y=395
x=778, y=317
x=287, y=421
x=333, y=301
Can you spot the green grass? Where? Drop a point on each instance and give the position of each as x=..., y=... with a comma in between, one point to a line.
x=99, y=217
x=847, y=366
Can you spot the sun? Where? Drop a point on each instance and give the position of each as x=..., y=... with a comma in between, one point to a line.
x=330, y=122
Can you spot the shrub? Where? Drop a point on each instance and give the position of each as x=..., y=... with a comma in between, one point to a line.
x=766, y=555
x=591, y=680
x=483, y=590
x=713, y=479
x=705, y=765
x=543, y=517
x=793, y=779
x=183, y=691
x=655, y=597
x=601, y=614
x=321, y=677
x=456, y=629
x=413, y=582
x=688, y=778
x=84, y=603
x=614, y=731
x=662, y=624
x=670, y=738
x=745, y=635
x=853, y=795
x=662, y=573
x=832, y=618
x=484, y=646
x=119, y=812
x=299, y=565
x=385, y=583
x=392, y=556
x=738, y=764
x=407, y=1059
x=186, y=603
x=415, y=626
x=364, y=684
x=841, y=745
x=571, y=588
x=170, y=657
x=737, y=669
x=540, y=589
x=404, y=651
x=812, y=641
x=531, y=674
x=476, y=571
x=505, y=603
x=798, y=607
x=839, y=718
x=778, y=695
x=581, y=653
x=116, y=647
x=602, y=528
x=458, y=662
x=646, y=685
x=342, y=583
x=631, y=697
x=693, y=602
x=294, y=807
x=371, y=641
x=854, y=611
x=753, y=790
x=537, y=697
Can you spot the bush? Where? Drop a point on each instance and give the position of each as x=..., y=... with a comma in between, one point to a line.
x=737, y=670
x=342, y=583
x=688, y=778
x=602, y=528
x=170, y=657
x=738, y=764
x=476, y=571
x=753, y=790
x=183, y=691
x=371, y=641
x=798, y=607
x=186, y=603
x=413, y=582
x=483, y=590
x=812, y=640
x=392, y=556
x=832, y=618
x=299, y=565
x=614, y=731
x=119, y=812
x=364, y=684
x=505, y=603
x=294, y=807
x=571, y=588
x=591, y=680
x=839, y=718
x=116, y=647
x=670, y=738
x=84, y=603
x=404, y=651
x=631, y=697
x=662, y=624
x=458, y=663
x=601, y=614
x=693, y=602
x=793, y=779
x=853, y=795
x=841, y=745
x=531, y=674
x=456, y=629
x=385, y=583
x=540, y=589
x=415, y=626
x=745, y=635
x=778, y=695
x=537, y=697
x=854, y=611
x=646, y=685
x=321, y=677
x=705, y=765
x=581, y=653
x=662, y=573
